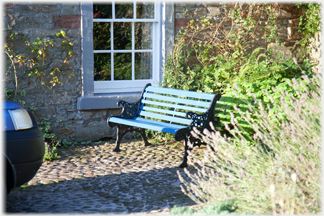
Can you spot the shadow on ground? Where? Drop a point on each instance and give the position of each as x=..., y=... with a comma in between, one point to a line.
x=136, y=192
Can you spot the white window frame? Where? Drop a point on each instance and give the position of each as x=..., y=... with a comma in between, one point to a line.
x=91, y=101
x=115, y=86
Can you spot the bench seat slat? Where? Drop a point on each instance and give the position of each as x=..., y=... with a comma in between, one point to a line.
x=165, y=117
x=170, y=112
x=144, y=123
x=177, y=100
x=165, y=124
x=181, y=107
x=179, y=92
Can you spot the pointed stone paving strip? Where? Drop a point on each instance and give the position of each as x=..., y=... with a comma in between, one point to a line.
x=94, y=179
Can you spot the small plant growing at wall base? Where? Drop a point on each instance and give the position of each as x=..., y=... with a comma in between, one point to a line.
x=51, y=141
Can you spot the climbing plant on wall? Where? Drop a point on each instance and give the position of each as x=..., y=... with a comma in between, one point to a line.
x=34, y=58
x=310, y=21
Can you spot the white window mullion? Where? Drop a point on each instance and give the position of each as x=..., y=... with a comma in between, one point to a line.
x=155, y=11
x=155, y=45
x=112, y=50
x=133, y=51
x=133, y=41
x=113, y=10
x=112, y=41
x=134, y=10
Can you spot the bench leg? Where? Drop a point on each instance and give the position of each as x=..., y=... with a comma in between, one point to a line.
x=121, y=131
x=185, y=157
x=124, y=129
x=141, y=131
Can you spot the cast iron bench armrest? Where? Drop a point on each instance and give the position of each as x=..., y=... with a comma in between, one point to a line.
x=129, y=110
x=201, y=121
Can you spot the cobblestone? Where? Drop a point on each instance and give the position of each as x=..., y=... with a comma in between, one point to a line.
x=93, y=179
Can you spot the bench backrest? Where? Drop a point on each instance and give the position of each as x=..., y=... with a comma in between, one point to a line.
x=171, y=105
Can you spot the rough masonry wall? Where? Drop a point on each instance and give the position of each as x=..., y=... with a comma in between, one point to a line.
x=287, y=20
x=59, y=104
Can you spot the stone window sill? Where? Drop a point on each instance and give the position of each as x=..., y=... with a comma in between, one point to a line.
x=105, y=101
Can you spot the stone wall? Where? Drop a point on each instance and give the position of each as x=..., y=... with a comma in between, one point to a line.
x=287, y=20
x=59, y=104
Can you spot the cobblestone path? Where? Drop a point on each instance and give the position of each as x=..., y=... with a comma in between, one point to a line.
x=93, y=179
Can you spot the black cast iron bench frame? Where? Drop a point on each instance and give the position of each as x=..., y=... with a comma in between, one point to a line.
x=167, y=107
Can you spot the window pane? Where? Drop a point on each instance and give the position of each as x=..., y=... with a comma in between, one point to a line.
x=102, y=10
x=143, y=35
x=143, y=65
x=101, y=36
x=122, y=66
x=122, y=36
x=145, y=10
x=124, y=10
x=102, y=66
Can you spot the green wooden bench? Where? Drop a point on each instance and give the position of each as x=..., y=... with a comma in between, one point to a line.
x=166, y=110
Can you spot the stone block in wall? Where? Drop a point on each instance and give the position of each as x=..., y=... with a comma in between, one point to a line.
x=213, y=4
x=192, y=60
x=199, y=13
x=282, y=32
x=67, y=21
x=259, y=15
x=178, y=23
x=40, y=8
x=97, y=113
x=229, y=5
x=288, y=43
x=94, y=131
x=298, y=52
x=292, y=30
x=44, y=112
x=65, y=109
x=64, y=133
x=39, y=21
x=179, y=16
x=213, y=12
x=32, y=34
x=257, y=43
x=280, y=52
x=287, y=11
x=315, y=48
x=19, y=44
x=70, y=9
x=189, y=5
x=73, y=115
x=75, y=34
x=258, y=32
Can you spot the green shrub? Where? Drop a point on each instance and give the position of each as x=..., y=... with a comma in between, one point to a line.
x=182, y=210
x=281, y=172
x=225, y=207
x=227, y=65
x=261, y=83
